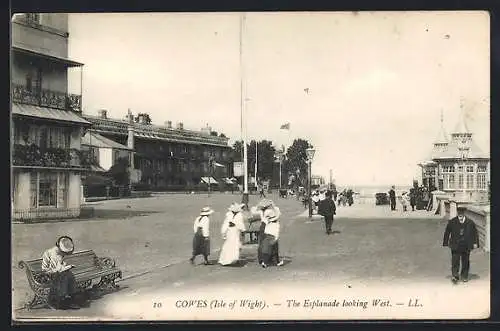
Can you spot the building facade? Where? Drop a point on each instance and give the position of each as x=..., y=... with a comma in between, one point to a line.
x=165, y=157
x=103, y=151
x=457, y=166
x=46, y=126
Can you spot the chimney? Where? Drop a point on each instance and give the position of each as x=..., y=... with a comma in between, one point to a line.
x=141, y=119
x=168, y=124
x=180, y=126
x=102, y=113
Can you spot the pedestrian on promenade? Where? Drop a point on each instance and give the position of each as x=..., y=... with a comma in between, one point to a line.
x=201, y=239
x=231, y=232
x=262, y=193
x=392, y=198
x=63, y=290
x=262, y=206
x=404, y=201
x=270, y=247
x=413, y=198
x=327, y=209
x=461, y=236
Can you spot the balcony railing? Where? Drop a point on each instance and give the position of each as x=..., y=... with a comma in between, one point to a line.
x=46, y=98
x=34, y=156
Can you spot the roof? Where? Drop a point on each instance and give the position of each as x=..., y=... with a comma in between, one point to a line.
x=442, y=137
x=155, y=132
x=453, y=152
x=47, y=113
x=96, y=140
x=64, y=60
x=461, y=126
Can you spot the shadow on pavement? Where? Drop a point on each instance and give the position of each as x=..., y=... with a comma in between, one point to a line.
x=471, y=277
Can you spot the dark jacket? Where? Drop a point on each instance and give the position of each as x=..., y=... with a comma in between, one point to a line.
x=452, y=234
x=392, y=194
x=327, y=208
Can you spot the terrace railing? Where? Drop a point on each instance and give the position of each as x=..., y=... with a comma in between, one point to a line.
x=34, y=156
x=46, y=98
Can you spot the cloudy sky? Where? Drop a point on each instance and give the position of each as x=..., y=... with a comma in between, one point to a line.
x=366, y=89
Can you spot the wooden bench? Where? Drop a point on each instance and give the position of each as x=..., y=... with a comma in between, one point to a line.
x=88, y=267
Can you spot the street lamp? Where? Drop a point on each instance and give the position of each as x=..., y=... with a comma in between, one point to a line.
x=310, y=155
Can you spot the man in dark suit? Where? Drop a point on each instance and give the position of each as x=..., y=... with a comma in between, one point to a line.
x=392, y=198
x=327, y=209
x=461, y=236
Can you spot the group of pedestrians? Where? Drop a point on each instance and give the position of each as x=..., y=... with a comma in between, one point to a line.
x=460, y=235
x=232, y=228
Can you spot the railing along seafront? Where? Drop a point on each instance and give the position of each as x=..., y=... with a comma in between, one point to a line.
x=46, y=98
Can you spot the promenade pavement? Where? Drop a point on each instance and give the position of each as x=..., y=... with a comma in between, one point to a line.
x=372, y=248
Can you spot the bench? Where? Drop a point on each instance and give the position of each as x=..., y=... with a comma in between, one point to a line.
x=88, y=267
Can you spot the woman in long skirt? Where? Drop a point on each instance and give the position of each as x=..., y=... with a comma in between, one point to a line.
x=262, y=206
x=231, y=231
x=201, y=239
x=270, y=248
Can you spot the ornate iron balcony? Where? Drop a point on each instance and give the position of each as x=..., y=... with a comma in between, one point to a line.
x=46, y=98
x=34, y=156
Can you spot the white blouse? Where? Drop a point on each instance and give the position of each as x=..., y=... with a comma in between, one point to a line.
x=202, y=222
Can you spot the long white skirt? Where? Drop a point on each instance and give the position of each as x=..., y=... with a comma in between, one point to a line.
x=230, y=252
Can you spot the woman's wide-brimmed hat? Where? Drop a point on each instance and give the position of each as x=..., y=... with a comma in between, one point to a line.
x=205, y=211
x=264, y=203
x=65, y=244
x=271, y=215
x=236, y=207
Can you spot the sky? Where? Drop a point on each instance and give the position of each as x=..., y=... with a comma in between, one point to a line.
x=367, y=89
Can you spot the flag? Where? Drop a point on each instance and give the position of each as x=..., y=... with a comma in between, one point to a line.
x=285, y=126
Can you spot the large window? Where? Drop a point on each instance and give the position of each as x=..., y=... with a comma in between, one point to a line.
x=50, y=137
x=481, y=181
x=481, y=177
x=460, y=181
x=48, y=189
x=449, y=181
x=470, y=181
x=33, y=18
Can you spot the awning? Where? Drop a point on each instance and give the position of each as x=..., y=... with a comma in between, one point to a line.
x=206, y=180
x=48, y=113
x=66, y=61
x=228, y=181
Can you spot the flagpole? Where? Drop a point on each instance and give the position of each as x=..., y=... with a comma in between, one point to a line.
x=243, y=115
x=256, y=162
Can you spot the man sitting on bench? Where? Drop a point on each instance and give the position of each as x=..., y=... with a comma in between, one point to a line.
x=63, y=281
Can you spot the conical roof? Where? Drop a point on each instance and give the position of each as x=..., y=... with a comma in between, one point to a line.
x=442, y=138
x=461, y=126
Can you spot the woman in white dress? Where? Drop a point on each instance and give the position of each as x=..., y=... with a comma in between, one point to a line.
x=231, y=230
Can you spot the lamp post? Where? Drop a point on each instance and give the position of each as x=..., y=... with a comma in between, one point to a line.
x=310, y=155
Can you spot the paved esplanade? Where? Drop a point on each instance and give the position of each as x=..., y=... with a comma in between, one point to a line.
x=370, y=245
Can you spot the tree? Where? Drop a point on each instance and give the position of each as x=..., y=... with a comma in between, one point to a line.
x=296, y=162
x=119, y=172
x=265, y=157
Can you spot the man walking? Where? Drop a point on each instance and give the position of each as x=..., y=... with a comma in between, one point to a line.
x=392, y=197
x=327, y=209
x=461, y=236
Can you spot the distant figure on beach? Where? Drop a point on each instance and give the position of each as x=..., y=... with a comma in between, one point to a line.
x=392, y=197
